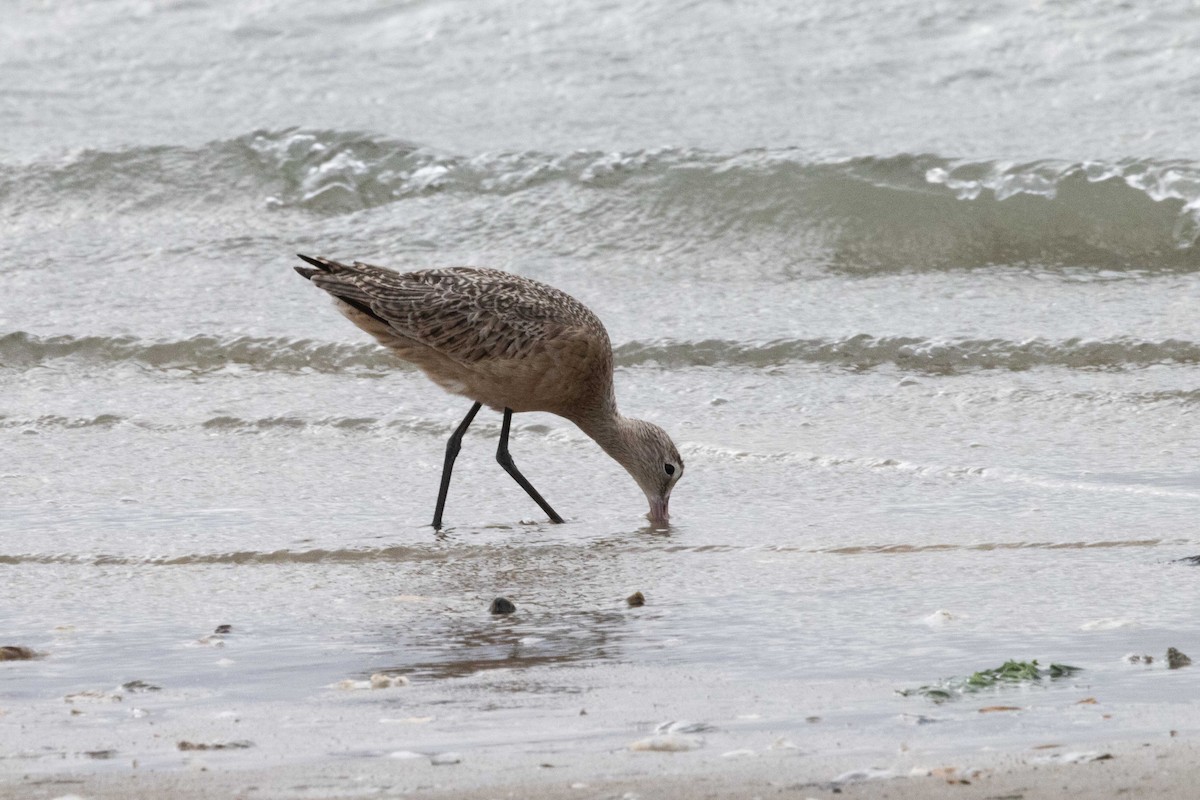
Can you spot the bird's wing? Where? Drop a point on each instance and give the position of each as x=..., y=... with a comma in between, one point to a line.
x=464, y=313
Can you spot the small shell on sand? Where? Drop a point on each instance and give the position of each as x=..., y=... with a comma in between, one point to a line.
x=1106, y=624
x=743, y=753
x=636, y=600
x=1072, y=757
x=683, y=726
x=405, y=755
x=867, y=774
x=381, y=680
x=667, y=743
x=92, y=695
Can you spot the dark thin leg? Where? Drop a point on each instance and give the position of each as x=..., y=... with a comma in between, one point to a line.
x=506, y=461
x=452, y=448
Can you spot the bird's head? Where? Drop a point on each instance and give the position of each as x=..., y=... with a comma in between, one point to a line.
x=652, y=459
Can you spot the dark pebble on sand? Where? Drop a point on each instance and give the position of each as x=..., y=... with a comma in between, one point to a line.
x=1176, y=659
x=502, y=605
x=636, y=599
x=140, y=686
x=12, y=652
x=186, y=745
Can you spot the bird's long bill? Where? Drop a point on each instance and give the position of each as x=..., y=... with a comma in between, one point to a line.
x=658, y=510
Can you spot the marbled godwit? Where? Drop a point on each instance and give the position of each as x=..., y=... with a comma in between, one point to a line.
x=512, y=344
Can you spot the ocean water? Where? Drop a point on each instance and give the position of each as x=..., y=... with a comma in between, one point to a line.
x=914, y=286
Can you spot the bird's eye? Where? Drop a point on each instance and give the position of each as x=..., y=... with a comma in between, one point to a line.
x=670, y=468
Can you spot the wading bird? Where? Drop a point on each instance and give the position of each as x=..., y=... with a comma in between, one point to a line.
x=512, y=344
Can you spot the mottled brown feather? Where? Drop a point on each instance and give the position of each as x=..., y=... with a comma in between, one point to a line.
x=502, y=339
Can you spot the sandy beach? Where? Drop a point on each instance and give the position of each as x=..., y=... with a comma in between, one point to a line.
x=1129, y=769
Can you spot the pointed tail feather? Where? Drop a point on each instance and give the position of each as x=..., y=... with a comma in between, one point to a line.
x=321, y=264
x=347, y=292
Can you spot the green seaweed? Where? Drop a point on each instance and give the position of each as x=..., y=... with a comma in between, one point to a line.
x=1008, y=673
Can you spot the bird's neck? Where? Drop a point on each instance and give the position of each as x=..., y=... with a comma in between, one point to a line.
x=610, y=430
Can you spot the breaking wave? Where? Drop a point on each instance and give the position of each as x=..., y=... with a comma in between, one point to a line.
x=899, y=212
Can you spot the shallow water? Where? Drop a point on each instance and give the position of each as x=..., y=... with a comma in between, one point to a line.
x=913, y=287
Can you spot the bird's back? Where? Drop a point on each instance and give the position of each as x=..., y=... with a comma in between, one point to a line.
x=502, y=339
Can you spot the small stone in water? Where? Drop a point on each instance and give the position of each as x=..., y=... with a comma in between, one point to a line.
x=502, y=605
x=1176, y=659
x=224, y=629
x=636, y=599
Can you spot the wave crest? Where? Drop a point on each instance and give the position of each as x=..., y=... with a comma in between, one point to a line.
x=199, y=354
x=206, y=354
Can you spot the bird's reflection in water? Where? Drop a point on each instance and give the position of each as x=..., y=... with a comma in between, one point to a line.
x=514, y=643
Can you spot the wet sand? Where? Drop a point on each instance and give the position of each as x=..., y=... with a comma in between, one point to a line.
x=1128, y=769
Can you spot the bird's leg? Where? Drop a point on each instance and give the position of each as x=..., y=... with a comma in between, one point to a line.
x=506, y=461
x=452, y=447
